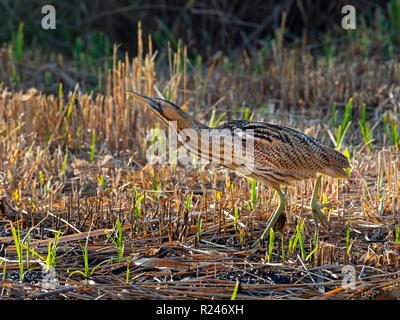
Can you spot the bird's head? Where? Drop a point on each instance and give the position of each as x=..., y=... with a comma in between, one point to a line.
x=165, y=110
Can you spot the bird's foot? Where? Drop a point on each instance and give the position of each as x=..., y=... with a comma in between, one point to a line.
x=277, y=225
x=319, y=215
x=273, y=221
x=262, y=238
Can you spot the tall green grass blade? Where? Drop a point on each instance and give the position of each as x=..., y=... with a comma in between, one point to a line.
x=93, y=148
x=253, y=192
x=271, y=244
x=398, y=235
x=188, y=201
x=341, y=134
x=64, y=165
x=18, y=247
x=246, y=114
x=300, y=238
x=311, y=253
x=236, y=210
x=127, y=275
x=212, y=118
x=60, y=96
x=347, y=113
x=394, y=132
x=198, y=228
x=218, y=120
x=19, y=42
x=364, y=115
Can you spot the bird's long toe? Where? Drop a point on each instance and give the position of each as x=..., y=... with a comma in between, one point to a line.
x=319, y=215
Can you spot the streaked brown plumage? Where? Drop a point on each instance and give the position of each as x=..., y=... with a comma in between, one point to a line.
x=281, y=154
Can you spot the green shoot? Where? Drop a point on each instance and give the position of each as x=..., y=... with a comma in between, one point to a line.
x=344, y=127
x=41, y=182
x=102, y=183
x=394, y=132
x=85, y=273
x=214, y=123
x=64, y=163
x=246, y=114
x=235, y=290
x=18, y=247
x=86, y=258
x=236, y=218
x=364, y=115
x=291, y=243
x=380, y=183
x=118, y=241
x=16, y=195
x=28, y=242
x=60, y=96
x=347, y=113
x=212, y=118
x=347, y=154
x=51, y=259
x=365, y=128
x=271, y=244
x=253, y=193
x=315, y=243
x=198, y=228
x=349, y=248
x=188, y=201
x=19, y=42
x=299, y=235
x=366, y=133
x=93, y=148
x=340, y=136
x=127, y=274
x=137, y=201
x=394, y=14
x=314, y=251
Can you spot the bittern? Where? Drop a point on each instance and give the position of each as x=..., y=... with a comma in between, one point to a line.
x=281, y=155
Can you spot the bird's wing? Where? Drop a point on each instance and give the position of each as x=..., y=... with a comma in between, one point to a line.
x=287, y=152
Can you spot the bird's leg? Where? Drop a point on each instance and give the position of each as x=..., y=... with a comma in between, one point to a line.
x=277, y=213
x=316, y=207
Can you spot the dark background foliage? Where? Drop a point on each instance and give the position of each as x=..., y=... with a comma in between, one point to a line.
x=205, y=26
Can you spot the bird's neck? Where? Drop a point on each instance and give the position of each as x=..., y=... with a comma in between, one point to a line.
x=185, y=121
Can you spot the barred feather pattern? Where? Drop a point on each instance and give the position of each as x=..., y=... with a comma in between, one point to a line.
x=283, y=155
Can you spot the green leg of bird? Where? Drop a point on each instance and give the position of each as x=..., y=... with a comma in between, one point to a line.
x=277, y=213
x=316, y=207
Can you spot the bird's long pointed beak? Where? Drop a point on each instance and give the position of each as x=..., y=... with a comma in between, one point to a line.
x=144, y=99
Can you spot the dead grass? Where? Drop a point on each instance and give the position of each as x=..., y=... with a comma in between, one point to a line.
x=49, y=184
